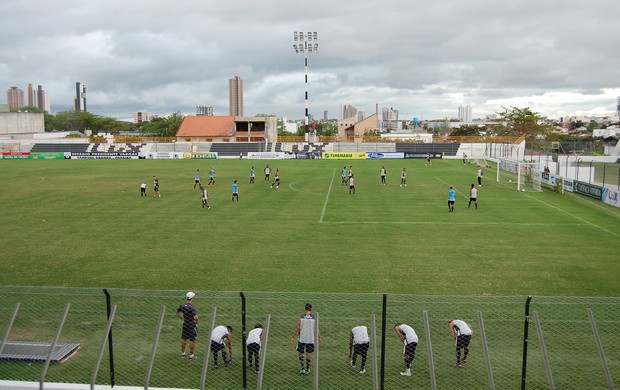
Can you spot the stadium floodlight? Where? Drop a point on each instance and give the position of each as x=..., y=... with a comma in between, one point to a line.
x=305, y=47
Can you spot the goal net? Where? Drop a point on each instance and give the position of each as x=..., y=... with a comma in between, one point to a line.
x=522, y=174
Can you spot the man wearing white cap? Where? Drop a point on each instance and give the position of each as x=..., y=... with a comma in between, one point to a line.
x=187, y=312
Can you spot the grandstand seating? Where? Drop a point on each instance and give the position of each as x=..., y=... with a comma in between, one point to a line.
x=234, y=148
x=447, y=149
x=60, y=147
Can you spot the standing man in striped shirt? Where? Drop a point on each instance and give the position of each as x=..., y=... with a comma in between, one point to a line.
x=305, y=328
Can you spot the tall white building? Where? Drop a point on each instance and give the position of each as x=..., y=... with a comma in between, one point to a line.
x=465, y=113
x=389, y=114
x=141, y=116
x=347, y=111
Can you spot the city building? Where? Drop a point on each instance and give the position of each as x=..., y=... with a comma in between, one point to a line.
x=204, y=111
x=235, y=93
x=79, y=101
x=141, y=116
x=347, y=111
x=15, y=98
x=389, y=114
x=465, y=114
x=228, y=129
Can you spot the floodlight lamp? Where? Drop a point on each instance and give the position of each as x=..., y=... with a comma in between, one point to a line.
x=301, y=36
x=316, y=37
x=315, y=48
x=295, y=35
x=309, y=36
x=296, y=48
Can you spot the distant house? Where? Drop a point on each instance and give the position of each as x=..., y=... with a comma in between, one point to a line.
x=351, y=128
x=227, y=129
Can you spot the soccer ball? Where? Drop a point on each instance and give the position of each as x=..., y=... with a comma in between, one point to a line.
x=510, y=180
x=523, y=190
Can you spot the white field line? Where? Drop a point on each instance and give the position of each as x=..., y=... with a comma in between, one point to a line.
x=459, y=223
x=329, y=191
x=457, y=191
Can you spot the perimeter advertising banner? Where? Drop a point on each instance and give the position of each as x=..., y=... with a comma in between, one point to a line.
x=384, y=155
x=200, y=155
x=33, y=156
x=611, y=197
x=165, y=155
x=16, y=155
x=590, y=190
x=102, y=155
x=266, y=155
x=344, y=155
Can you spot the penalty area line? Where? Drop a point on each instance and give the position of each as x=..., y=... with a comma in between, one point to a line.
x=329, y=191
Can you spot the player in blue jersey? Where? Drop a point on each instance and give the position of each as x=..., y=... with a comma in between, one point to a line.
x=235, y=191
x=211, y=177
x=344, y=175
x=252, y=175
x=196, y=178
x=451, y=199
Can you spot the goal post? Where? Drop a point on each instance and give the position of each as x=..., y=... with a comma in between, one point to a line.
x=524, y=175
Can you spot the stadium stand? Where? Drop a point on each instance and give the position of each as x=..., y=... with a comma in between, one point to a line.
x=447, y=149
x=61, y=147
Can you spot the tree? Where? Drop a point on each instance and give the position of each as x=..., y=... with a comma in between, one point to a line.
x=466, y=131
x=162, y=126
x=517, y=121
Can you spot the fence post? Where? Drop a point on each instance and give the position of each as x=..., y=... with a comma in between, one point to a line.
x=383, y=320
x=601, y=352
x=110, y=341
x=108, y=329
x=543, y=350
x=373, y=340
x=429, y=351
x=9, y=326
x=149, y=368
x=203, y=375
x=525, y=335
x=485, y=350
x=61, y=324
x=316, y=351
x=263, y=353
x=243, y=338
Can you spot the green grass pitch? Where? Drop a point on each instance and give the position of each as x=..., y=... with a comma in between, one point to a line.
x=83, y=224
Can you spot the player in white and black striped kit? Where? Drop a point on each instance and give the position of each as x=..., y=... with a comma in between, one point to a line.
x=358, y=345
x=462, y=333
x=407, y=335
x=305, y=344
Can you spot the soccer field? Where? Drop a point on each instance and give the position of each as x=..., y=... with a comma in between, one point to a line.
x=83, y=224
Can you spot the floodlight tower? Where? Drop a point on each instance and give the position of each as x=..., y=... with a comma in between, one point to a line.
x=306, y=43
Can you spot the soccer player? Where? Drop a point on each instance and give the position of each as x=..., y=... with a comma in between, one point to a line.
x=204, y=197
x=428, y=159
x=253, y=343
x=451, y=199
x=235, y=191
x=350, y=172
x=464, y=159
x=403, y=178
x=187, y=312
x=221, y=337
x=344, y=175
x=143, y=190
x=383, y=173
x=267, y=172
x=358, y=345
x=473, y=196
x=305, y=343
x=480, y=174
x=351, y=185
x=409, y=338
x=211, y=177
x=252, y=174
x=196, y=178
x=156, y=187
x=462, y=333
x=276, y=179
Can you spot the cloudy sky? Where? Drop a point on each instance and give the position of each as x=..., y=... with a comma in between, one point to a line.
x=423, y=58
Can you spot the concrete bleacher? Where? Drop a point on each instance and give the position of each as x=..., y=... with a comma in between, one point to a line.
x=60, y=147
x=233, y=149
x=446, y=149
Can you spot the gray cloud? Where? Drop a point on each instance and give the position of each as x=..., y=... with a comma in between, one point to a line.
x=424, y=59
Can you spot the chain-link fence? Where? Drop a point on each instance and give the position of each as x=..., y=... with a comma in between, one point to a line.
x=572, y=344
